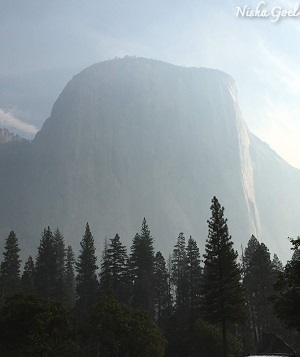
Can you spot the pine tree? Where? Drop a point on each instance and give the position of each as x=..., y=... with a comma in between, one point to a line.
x=86, y=278
x=70, y=294
x=258, y=281
x=28, y=276
x=141, y=265
x=118, y=257
x=296, y=255
x=162, y=294
x=105, y=273
x=113, y=276
x=180, y=275
x=46, y=271
x=60, y=257
x=277, y=264
x=10, y=267
x=222, y=290
x=286, y=299
x=194, y=273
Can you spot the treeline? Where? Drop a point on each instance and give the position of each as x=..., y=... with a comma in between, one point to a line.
x=141, y=304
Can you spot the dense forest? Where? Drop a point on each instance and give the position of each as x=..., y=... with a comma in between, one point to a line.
x=142, y=304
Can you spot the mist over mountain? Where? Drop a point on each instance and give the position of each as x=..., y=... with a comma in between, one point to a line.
x=6, y=136
x=133, y=138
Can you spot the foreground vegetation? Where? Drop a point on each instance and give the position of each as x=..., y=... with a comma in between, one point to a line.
x=141, y=305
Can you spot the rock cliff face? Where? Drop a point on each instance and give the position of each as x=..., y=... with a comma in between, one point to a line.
x=133, y=137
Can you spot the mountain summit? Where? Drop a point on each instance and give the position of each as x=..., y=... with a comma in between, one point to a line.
x=133, y=138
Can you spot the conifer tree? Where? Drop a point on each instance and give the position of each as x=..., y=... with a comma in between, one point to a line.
x=70, y=293
x=28, y=276
x=194, y=273
x=277, y=264
x=46, y=271
x=162, y=294
x=141, y=265
x=118, y=257
x=258, y=281
x=296, y=255
x=180, y=275
x=86, y=278
x=60, y=257
x=10, y=267
x=286, y=299
x=105, y=273
x=113, y=276
x=222, y=290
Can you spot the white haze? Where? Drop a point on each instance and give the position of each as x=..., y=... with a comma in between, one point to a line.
x=8, y=120
x=262, y=56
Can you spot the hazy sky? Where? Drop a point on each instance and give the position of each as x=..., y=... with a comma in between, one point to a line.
x=44, y=43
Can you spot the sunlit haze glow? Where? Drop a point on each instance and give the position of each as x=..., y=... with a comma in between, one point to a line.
x=44, y=43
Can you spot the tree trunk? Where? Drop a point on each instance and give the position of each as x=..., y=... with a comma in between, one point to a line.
x=224, y=337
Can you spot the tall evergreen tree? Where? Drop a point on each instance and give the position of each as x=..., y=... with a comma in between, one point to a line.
x=286, y=299
x=296, y=255
x=223, y=300
x=105, y=273
x=162, y=293
x=70, y=294
x=277, y=264
x=180, y=275
x=46, y=271
x=113, y=276
x=28, y=276
x=141, y=265
x=60, y=257
x=86, y=278
x=118, y=257
x=194, y=273
x=258, y=281
x=10, y=267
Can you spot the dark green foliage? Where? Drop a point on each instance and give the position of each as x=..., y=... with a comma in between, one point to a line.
x=142, y=251
x=141, y=266
x=70, y=293
x=10, y=267
x=118, y=256
x=178, y=333
x=46, y=271
x=120, y=331
x=207, y=341
x=180, y=275
x=295, y=243
x=60, y=257
x=223, y=299
x=105, y=273
x=194, y=273
x=114, y=271
x=178, y=329
x=28, y=276
x=30, y=326
x=287, y=291
x=33, y=327
x=259, y=277
x=277, y=265
x=296, y=255
x=162, y=293
x=86, y=278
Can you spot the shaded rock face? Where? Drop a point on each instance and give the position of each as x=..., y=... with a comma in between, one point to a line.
x=134, y=138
